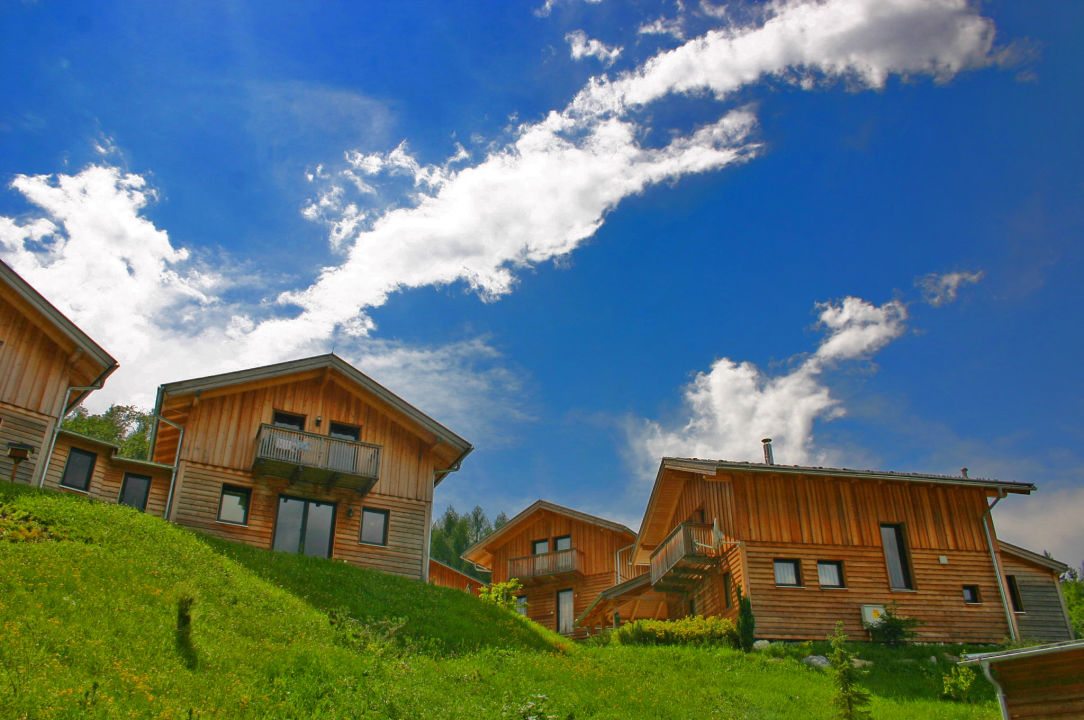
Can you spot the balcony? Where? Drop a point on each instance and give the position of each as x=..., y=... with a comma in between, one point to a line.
x=544, y=567
x=682, y=560
x=317, y=459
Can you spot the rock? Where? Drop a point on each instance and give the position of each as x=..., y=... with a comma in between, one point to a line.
x=933, y=659
x=860, y=663
x=950, y=657
x=817, y=661
x=762, y=645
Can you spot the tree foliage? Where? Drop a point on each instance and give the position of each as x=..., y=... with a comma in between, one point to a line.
x=123, y=425
x=1072, y=587
x=454, y=533
x=850, y=699
x=747, y=624
x=502, y=594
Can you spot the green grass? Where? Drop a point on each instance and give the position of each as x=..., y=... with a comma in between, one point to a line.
x=88, y=615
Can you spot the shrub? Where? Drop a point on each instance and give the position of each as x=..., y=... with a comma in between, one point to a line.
x=502, y=594
x=694, y=630
x=957, y=684
x=893, y=629
x=850, y=699
x=747, y=624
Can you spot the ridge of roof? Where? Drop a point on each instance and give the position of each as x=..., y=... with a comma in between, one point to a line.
x=552, y=507
x=1011, y=485
x=312, y=363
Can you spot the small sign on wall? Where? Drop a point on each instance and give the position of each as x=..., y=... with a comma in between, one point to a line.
x=872, y=615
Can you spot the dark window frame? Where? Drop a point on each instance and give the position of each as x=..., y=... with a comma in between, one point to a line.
x=534, y=546
x=302, y=531
x=387, y=522
x=557, y=542
x=235, y=490
x=1015, y=599
x=90, y=471
x=838, y=564
x=285, y=423
x=146, y=494
x=972, y=595
x=903, y=556
x=796, y=563
x=354, y=436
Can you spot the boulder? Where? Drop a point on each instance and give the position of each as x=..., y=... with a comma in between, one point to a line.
x=817, y=661
x=760, y=645
x=860, y=663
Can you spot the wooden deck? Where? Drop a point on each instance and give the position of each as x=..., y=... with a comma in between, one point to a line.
x=546, y=567
x=318, y=459
x=683, y=559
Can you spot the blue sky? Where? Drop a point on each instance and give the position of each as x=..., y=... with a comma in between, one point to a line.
x=584, y=234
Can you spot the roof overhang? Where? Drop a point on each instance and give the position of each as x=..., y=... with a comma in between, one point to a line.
x=1031, y=557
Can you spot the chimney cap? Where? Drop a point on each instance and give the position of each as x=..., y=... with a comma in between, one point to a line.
x=766, y=440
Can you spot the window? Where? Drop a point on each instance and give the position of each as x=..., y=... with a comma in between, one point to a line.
x=342, y=431
x=1014, y=594
x=562, y=543
x=830, y=573
x=134, y=491
x=288, y=420
x=374, y=526
x=788, y=572
x=565, y=621
x=521, y=604
x=540, y=546
x=895, y=548
x=78, y=471
x=728, y=589
x=304, y=526
x=233, y=505
x=971, y=594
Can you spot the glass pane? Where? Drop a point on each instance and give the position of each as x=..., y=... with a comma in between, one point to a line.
x=893, y=546
x=134, y=492
x=541, y=546
x=563, y=543
x=233, y=506
x=318, y=527
x=564, y=612
x=786, y=572
x=521, y=604
x=372, y=527
x=288, y=524
x=828, y=574
x=287, y=420
x=339, y=431
x=78, y=470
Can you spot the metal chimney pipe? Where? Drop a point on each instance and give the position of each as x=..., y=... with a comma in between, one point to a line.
x=768, y=459
x=963, y=471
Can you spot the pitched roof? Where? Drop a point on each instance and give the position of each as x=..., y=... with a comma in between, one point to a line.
x=317, y=362
x=472, y=553
x=1029, y=556
x=62, y=324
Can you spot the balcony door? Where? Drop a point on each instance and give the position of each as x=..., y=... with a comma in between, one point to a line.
x=343, y=456
x=304, y=526
x=565, y=612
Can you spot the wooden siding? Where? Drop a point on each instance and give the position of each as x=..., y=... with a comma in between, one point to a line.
x=200, y=488
x=18, y=425
x=441, y=574
x=1043, y=686
x=811, y=518
x=221, y=430
x=108, y=475
x=1043, y=615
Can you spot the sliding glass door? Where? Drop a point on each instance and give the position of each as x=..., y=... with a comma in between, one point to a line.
x=304, y=526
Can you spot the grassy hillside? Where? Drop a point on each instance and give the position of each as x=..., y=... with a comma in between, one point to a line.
x=88, y=629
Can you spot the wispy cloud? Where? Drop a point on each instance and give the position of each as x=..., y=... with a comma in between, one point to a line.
x=941, y=289
x=581, y=46
x=547, y=7
x=732, y=405
x=671, y=27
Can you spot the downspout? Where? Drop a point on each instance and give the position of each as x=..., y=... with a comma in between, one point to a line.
x=96, y=385
x=997, y=686
x=997, y=569
x=617, y=562
x=176, y=462
x=455, y=466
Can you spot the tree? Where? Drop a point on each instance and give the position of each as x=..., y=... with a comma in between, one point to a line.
x=1072, y=588
x=850, y=698
x=747, y=624
x=454, y=533
x=124, y=425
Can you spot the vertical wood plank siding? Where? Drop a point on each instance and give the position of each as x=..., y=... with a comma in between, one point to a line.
x=598, y=546
x=813, y=517
x=441, y=574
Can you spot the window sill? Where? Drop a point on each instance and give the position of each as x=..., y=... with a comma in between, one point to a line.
x=972, y=603
x=793, y=587
x=375, y=545
x=834, y=587
x=74, y=489
x=231, y=524
x=902, y=590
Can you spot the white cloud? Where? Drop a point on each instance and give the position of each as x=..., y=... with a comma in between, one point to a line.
x=1045, y=521
x=581, y=46
x=547, y=7
x=672, y=27
x=732, y=405
x=941, y=289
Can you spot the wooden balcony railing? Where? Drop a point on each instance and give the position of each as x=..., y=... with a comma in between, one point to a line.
x=545, y=565
x=683, y=555
x=307, y=457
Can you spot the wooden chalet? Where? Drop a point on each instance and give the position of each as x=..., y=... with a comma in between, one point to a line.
x=1043, y=681
x=47, y=367
x=448, y=576
x=563, y=558
x=813, y=545
x=308, y=456
x=1034, y=594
